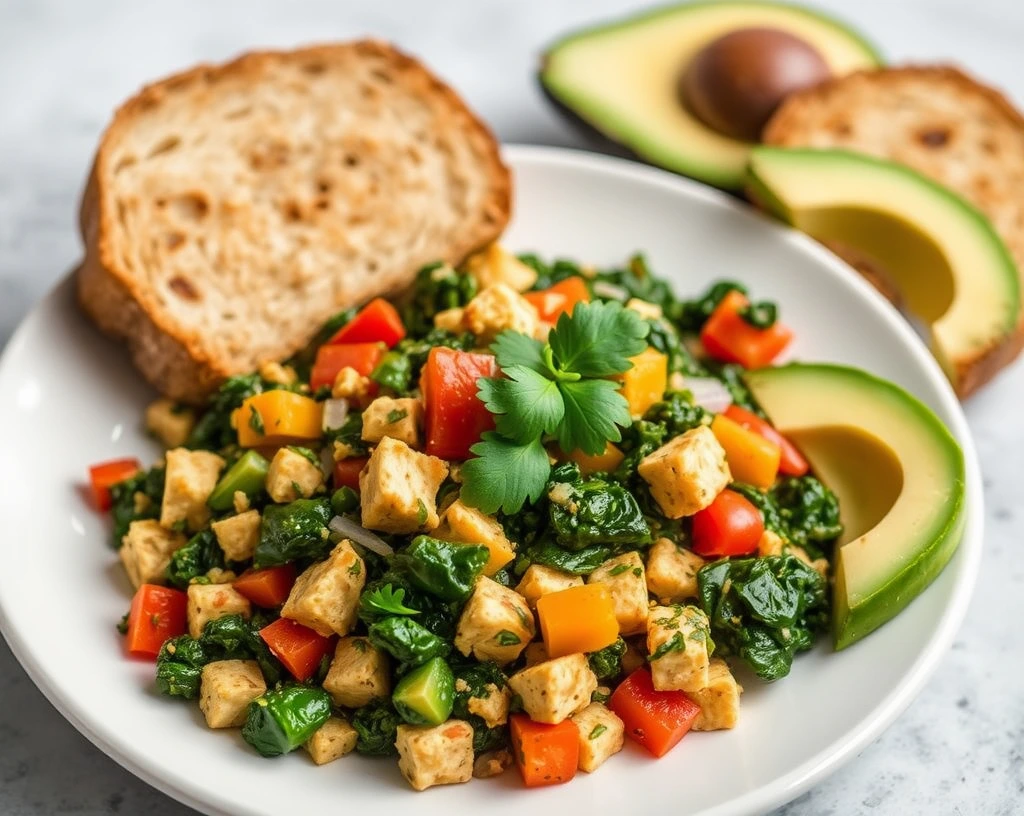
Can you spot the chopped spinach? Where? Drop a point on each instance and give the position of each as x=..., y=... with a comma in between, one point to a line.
x=377, y=727
x=594, y=511
x=399, y=369
x=201, y=554
x=125, y=509
x=446, y=570
x=474, y=679
x=607, y=663
x=289, y=532
x=436, y=288
x=799, y=509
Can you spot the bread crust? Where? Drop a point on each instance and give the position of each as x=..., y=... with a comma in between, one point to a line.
x=920, y=133
x=177, y=362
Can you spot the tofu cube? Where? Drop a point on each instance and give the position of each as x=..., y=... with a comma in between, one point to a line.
x=326, y=596
x=770, y=543
x=398, y=418
x=293, y=476
x=687, y=473
x=189, y=481
x=467, y=525
x=539, y=580
x=495, y=265
x=602, y=734
x=359, y=673
x=497, y=308
x=331, y=741
x=238, y=535
x=493, y=707
x=672, y=571
x=450, y=320
x=441, y=755
x=399, y=487
x=624, y=577
x=207, y=602
x=226, y=688
x=146, y=551
x=495, y=624
x=170, y=422
x=555, y=689
x=677, y=645
x=719, y=701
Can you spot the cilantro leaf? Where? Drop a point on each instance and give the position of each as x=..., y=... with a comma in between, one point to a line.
x=593, y=410
x=504, y=475
x=512, y=348
x=525, y=406
x=598, y=339
x=386, y=600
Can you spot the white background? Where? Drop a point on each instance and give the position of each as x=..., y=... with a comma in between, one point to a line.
x=65, y=65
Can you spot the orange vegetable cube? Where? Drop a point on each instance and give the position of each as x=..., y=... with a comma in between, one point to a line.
x=752, y=458
x=645, y=383
x=278, y=418
x=604, y=462
x=578, y=619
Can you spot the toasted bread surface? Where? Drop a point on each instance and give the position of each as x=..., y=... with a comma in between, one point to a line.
x=942, y=123
x=232, y=209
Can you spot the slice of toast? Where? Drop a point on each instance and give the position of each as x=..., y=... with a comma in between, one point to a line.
x=232, y=209
x=940, y=122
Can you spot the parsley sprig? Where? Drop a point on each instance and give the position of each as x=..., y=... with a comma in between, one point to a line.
x=556, y=390
x=386, y=600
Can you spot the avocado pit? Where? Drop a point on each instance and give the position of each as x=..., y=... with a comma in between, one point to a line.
x=735, y=83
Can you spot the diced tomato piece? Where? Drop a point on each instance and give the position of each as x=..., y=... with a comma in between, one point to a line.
x=157, y=613
x=363, y=357
x=561, y=298
x=298, y=647
x=107, y=474
x=377, y=321
x=792, y=462
x=730, y=525
x=266, y=587
x=655, y=719
x=346, y=471
x=546, y=754
x=728, y=337
x=454, y=415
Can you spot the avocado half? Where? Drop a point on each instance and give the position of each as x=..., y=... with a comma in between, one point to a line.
x=898, y=474
x=621, y=78
x=952, y=269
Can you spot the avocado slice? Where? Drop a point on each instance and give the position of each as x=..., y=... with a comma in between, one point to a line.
x=425, y=696
x=952, y=268
x=898, y=474
x=621, y=78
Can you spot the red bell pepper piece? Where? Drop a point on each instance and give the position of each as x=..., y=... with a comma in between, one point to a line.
x=377, y=321
x=106, y=474
x=545, y=754
x=655, y=719
x=454, y=415
x=728, y=337
x=792, y=462
x=298, y=647
x=560, y=298
x=266, y=587
x=363, y=357
x=157, y=613
x=730, y=525
x=346, y=472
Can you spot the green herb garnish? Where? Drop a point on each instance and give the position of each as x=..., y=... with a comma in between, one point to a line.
x=386, y=600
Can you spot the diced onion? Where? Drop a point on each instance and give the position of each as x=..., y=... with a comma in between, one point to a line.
x=327, y=461
x=709, y=393
x=335, y=413
x=360, y=535
x=609, y=290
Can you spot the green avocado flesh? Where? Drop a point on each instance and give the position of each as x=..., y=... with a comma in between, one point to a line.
x=898, y=474
x=622, y=78
x=953, y=270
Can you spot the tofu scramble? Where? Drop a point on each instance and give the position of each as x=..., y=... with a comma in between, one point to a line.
x=523, y=515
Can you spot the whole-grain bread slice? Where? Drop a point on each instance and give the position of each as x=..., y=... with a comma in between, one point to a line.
x=942, y=123
x=232, y=209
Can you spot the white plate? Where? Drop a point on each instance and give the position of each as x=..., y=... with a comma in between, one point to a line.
x=70, y=398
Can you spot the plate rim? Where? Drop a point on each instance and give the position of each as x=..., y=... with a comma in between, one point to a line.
x=781, y=789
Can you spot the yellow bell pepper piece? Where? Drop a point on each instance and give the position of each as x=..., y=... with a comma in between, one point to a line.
x=645, y=383
x=577, y=619
x=462, y=524
x=752, y=458
x=604, y=462
x=277, y=418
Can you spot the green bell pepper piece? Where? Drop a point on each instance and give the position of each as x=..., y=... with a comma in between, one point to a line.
x=248, y=474
x=283, y=719
x=425, y=696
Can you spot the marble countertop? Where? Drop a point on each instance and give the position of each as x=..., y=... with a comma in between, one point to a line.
x=959, y=749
